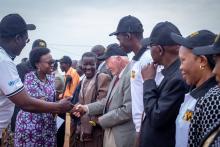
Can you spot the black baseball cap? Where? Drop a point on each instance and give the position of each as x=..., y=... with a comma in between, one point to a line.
x=112, y=50
x=13, y=24
x=66, y=60
x=128, y=24
x=39, y=43
x=210, y=49
x=160, y=34
x=196, y=39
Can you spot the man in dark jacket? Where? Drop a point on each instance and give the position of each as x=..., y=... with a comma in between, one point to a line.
x=162, y=103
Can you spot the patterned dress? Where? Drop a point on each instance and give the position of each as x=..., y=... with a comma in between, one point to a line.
x=37, y=129
x=206, y=117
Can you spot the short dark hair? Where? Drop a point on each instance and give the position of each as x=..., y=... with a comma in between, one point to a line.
x=36, y=54
x=89, y=54
x=98, y=50
x=211, y=61
x=67, y=60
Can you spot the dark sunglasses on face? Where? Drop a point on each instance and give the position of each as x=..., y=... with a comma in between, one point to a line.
x=51, y=62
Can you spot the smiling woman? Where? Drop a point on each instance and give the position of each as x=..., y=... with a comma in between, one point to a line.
x=197, y=72
x=205, y=126
x=38, y=129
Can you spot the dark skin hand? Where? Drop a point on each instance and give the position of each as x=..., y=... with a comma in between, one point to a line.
x=149, y=71
x=25, y=102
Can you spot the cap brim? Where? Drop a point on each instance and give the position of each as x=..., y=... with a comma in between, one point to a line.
x=180, y=40
x=102, y=58
x=205, y=50
x=31, y=27
x=114, y=33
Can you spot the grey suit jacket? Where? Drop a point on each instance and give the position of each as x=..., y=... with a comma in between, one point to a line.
x=119, y=115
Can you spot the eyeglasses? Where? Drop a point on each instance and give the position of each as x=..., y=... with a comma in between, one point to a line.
x=51, y=62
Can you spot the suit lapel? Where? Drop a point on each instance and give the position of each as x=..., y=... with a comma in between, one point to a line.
x=113, y=90
x=111, y=87
x=109, y=92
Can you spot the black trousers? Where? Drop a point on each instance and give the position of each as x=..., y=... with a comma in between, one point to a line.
x=0, y=141
x=61, y=132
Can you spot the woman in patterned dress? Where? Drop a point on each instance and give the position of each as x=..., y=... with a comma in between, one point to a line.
x=34, y=129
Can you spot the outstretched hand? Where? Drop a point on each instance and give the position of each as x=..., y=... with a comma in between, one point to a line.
x=65, y=105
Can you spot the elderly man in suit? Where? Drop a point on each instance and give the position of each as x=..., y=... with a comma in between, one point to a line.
x=116, y=118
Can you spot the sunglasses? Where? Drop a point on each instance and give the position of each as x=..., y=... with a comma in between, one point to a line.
x=51, y=62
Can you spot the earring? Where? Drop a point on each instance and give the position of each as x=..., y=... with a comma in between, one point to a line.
x=201, y=67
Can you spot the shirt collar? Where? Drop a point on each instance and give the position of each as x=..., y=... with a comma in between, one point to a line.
x=139, y=54
x=204, y=88
x=172, y=68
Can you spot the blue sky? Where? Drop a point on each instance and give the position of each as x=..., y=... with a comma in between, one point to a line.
x=72, y=27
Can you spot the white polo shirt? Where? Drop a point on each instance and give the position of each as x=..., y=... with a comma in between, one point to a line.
x=10, y=84
x=137, y=87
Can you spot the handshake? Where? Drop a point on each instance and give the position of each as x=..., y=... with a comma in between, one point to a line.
x=79, y=110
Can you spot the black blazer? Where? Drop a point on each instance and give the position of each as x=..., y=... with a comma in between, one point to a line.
x=161, y=105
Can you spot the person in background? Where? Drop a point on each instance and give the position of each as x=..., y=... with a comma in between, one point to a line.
x=25, y=67
x=99, y=50
x=74, y=63
x=65, y=66
x=93, y=88
x=13, y=38
x=205, y=124
x=79, y=69
x=71, y=81
x=34, y=129
x=197, y=72
x=59, y=80
x=162, y=102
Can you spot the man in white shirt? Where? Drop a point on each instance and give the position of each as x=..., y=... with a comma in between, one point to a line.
x=13, y=38
x=130, y=34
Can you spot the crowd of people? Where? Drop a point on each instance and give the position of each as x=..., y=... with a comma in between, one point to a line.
x=167, y=95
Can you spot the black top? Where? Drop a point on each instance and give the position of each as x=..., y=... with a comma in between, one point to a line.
x=23, y=69
x=161, y=106
x=200, y=91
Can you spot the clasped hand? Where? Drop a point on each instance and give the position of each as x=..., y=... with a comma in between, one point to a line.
x=78, y=110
